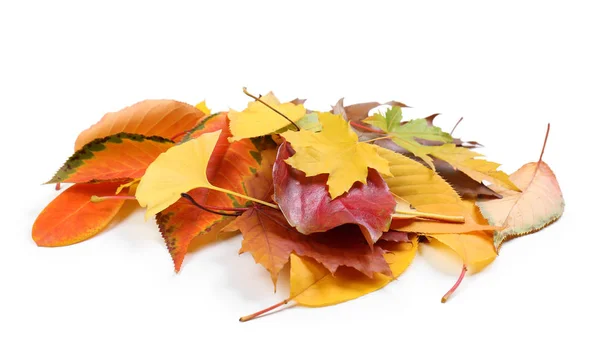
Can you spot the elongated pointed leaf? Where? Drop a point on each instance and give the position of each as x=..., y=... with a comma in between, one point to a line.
x=122, y=156
x=163, y=118
x=72, y=217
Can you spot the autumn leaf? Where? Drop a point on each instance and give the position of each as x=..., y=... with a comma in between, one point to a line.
x=229, y=166
x=122, y=156
x=358, y=112
x=163, y=118
x=519, y=213
x=428, y=193
x=466, y=161
x=464, y=185
x=259, y=119
x=405, y=134
x=334, y=151
x=72, y=217
x=476, y=249
x=271, y=240
x=313, y=285
x=308, y=207
x=202, y=107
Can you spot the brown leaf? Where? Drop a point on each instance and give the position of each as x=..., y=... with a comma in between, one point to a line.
x=359, y=112
x=271, y=240
x=461, y=182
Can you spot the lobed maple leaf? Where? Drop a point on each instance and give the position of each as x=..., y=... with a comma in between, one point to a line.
x=334, y=151
x=72, y=217
x=308, y=207
x=163, y=118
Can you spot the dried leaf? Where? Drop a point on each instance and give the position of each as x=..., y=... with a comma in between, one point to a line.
x=359, y=112
x=476, y=249
x=313, y=285
x=260, y=120
x=72, y=218
x=427, y=192
x=163, y=118
x=230, y=165
x=520, y=213
x=122, y=156
x=334, y=151
x=271, y=240
x=307, y=205
x=465, y=186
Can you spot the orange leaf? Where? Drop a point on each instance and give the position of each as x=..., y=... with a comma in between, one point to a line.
x=229, y=165
x=164, y=118
x=72, y=217
x=122, y=156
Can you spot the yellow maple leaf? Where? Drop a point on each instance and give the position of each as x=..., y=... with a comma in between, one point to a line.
x=180, y=169
x=258, y=119
x=335, y=151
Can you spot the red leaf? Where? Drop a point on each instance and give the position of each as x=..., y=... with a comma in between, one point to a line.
x=395, y=236
x=229, y=165
x=308, y=207
x=271, y=240
x=72, y=218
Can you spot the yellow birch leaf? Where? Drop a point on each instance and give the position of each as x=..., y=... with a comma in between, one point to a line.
x=313, y=285
x=335, y=151
x=259, y=120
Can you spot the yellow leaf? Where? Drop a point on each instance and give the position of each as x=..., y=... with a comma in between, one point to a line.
x=180, y=169
x=464, y=160
x=202, y=107
x=313, y=285
x=476, y=249
x=259, y=120
x=426, y=191
x=132, y=185
x=335, y=151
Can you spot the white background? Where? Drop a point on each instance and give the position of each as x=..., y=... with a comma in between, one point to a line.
x=508, y=68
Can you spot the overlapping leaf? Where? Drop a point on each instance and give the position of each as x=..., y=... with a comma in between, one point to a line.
x=313, y=285
x=271, y=240
x=121, y=156
x=163, y=118
x=308, y=207
x=334, y=151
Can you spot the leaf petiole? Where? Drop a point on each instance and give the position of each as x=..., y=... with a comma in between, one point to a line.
x=96, y=199
x=259, y=313
x=215, y=210
x=439, y=217
x=244, y=196
x=460, y=278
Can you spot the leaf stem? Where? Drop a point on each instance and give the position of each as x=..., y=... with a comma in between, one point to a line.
x=456, y=125
x=377, y=139
x=439, y=217
x=271, y=107
x=254, y=315
x=116, y=197
x=57, y=187
x=245, y=197
x=460, y=278
x=211, y=210
x=365, y=128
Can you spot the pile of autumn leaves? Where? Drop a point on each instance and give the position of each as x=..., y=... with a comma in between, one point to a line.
x=343, y=196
